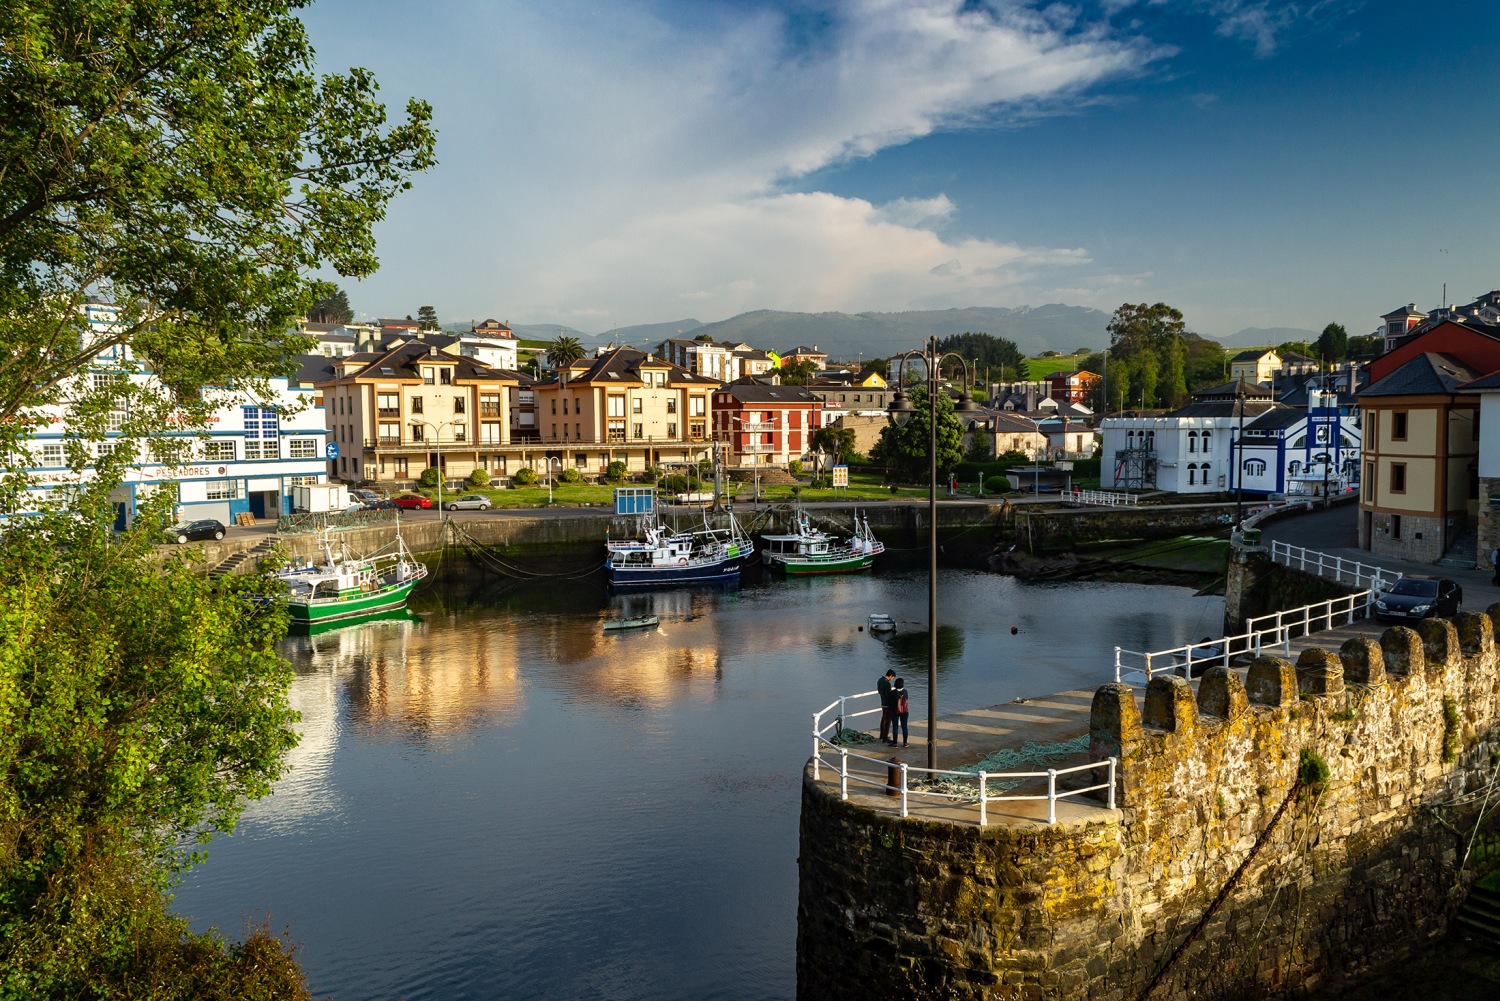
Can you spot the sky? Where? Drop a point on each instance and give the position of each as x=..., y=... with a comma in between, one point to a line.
x=1254, y=163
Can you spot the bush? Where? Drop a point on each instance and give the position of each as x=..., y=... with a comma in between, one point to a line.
x=1084, y=468
x=570, y=475
x=652, y=474
x=525, y=476
x=615, y=472
x=429, y=477
x=996, y=485
x=479, y=478
x=794, y=467
x=677, y=484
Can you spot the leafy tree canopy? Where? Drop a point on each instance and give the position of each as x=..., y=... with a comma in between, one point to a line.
x=1333, y=342
x=1363, y=347
x=836, y=442
x=332, y=308
x=564, y=351
x=798, y=373
x=997, y=357
x=904, y=449
x=428, y=318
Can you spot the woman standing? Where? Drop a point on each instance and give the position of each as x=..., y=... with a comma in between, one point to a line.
x=903, y=710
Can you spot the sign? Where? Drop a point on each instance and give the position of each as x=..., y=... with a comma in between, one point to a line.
x=331, y=450
x=841, y=476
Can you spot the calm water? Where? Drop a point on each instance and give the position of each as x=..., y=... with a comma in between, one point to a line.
x=500, y=800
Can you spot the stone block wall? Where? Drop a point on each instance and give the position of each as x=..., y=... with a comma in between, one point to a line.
x=1421, y=539
x=1216, y=857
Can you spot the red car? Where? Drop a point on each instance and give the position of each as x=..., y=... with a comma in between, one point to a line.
x=413, y=501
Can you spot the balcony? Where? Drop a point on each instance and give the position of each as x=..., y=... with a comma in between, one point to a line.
x=394, y=412
x=489, y=411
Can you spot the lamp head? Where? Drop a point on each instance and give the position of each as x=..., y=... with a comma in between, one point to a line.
x=965, y=404
x=900, y=409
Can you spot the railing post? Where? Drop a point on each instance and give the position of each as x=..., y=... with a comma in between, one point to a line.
x=984, y=799
x=843, y=773
x=843, y=714
x=1113, y=762
x=1052, y=795
x=903, y=789
x=1117, y=665
x=817, y=747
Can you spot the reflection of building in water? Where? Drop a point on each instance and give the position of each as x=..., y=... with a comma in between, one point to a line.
x=307, y=790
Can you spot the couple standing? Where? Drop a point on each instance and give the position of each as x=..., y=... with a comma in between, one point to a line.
x=894, y=708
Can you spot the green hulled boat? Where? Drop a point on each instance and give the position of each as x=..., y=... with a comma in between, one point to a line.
x=811, y=551
x=344, y=586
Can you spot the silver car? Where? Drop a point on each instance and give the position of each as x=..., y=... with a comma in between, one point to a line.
x=469, y=502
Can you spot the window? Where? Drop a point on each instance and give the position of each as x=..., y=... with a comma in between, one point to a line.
x=489, y=433
x=695, y=406
x=429, y=376
x=1369, y=483
x=303, y=448
x=1192, y=443
x=1192, y=474
x=671, y=429
x=1395, y=526
x=261, y=432
x=398, y=467
x=565, y=406
x=218, y=451
x=416, y=404
x=388, y=405
x=489, y=404
x=1255, y=467
x=309, y=481
x=1208, y=441
x=446, y=375
x=458, y=404
x=1398, y=425
x=635, y=405
x=460, y=432
x=578, y=431
x=225, y=489
x=554, y=406
x=616, y=431
x=637, y=431
x=1398, y=477
x=52, y=455
x=390, y=434
x=417, y=432
x=616, y=406
x=581, y=460
x=672, y=406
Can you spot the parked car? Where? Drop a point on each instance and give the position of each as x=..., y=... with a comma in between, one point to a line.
x=413, y=502
x=1419, y=598
x=470, y=502
x=193, y=531
x=365, y=497
x=380, y=504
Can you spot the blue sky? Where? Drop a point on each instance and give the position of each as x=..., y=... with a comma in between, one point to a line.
x=1255, y=163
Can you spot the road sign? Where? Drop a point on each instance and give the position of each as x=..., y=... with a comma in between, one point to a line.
x=331, y=450
x=841, y=476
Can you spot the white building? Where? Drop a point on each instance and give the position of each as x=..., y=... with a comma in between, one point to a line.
x=491, y=343
x=1301, y=452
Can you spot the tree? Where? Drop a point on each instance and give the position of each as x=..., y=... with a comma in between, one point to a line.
x=1363, y=347
x=838, y=443
x=427, y=317
x=875, y=366
x=564, y=351
x=615, y=472
x=904, y=449
x=798, y=373
x=1333, y=343
x=332, y=308
x=998, y=356
x=183, y=160
x=1287, y=349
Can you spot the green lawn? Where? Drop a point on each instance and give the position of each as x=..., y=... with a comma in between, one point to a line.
x=1040, y=368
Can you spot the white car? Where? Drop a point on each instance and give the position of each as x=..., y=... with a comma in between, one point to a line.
x=469, y=502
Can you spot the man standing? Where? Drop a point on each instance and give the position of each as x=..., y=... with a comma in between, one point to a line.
x=1495, y=566
x=887, y=706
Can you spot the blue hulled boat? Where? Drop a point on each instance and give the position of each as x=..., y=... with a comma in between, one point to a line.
x=665, y=558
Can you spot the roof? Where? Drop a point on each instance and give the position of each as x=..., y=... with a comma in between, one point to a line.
x=1225, y=408
x=1488, y=384
x=751, y=392
x=1254, y=354
x=803, y=350
x=1271, y=420
x=404, y=362
x=1233, y=390
x=623, y=365
x=1410, y=309
x=1007, y=422
x=313, y=369
x=1429, y=373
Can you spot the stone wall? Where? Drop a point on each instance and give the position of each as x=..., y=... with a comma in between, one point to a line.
x=1421, y=539
x=1255, y=585
x=1216, y=853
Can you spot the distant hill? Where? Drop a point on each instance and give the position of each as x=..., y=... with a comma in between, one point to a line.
x=845, y=336
x=1255, y=337
x=650, y=334
x=549, y=332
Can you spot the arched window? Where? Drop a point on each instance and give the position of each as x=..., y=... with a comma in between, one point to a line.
x=1208, y=441
x=1255, y=467
x=1192, y=474
x=1192, y=441
x=1150, y=440
x=1130, y=439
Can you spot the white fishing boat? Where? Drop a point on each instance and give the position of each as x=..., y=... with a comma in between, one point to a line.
x=880, y=622
x=344, y=585
x=662, y=557
x=812, y=551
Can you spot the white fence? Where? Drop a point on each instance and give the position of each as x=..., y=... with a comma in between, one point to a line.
x=1265, y=632
x=937, y=788
x=1103, y=498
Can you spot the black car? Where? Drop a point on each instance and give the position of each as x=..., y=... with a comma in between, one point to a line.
x=1419, y=598
x=382, y=504
x=206, y=528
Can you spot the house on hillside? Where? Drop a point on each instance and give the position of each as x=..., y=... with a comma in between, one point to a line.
x=1257, y=365
x=1070, y=387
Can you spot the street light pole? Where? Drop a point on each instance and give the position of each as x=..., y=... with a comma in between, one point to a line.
x=550, y=460
x=437, y=448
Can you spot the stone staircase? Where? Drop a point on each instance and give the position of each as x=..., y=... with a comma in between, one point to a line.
x=769, y=476
x=232, y=564
x=1480, y=915
x=1460, y=555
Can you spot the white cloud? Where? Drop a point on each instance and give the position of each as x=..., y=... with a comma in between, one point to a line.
x=604, y=161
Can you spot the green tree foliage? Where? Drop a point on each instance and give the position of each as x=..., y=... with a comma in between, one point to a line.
x=875, y=366
x=1363, y=347
x=1333, y=343
x=904, y=449
x=479, y=478
x=798, y=373
x=332, y=308
x=836, y=442
x=996, y=356
x=1154, y=360
x=185, y=161
x=524, y=477
x=429, y=477
x=428, y=318
x=1289, y=349
x=615, y=472
x=564, y=351
x=570, y=475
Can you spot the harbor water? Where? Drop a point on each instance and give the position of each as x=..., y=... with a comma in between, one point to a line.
x=495, y=797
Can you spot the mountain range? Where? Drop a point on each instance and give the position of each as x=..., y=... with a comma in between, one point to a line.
x=847, y=336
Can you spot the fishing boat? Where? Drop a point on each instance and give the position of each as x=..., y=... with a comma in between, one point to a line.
x=880, y=622
x=662, y=557
x=635, y=622
x=344, y=585
x=811, y=551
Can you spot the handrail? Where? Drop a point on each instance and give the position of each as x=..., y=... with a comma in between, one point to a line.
x=1104, y=498
x=1361, y=575
x=925, y=794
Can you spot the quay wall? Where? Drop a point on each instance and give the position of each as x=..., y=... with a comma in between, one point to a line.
x=1219, y=875
x=1047, y=530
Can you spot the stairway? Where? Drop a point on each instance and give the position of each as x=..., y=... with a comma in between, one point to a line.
x=251, y=555
x=1480, y=915
x=1460, y=555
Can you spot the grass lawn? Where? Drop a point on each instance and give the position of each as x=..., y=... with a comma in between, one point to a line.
x=1040, y=368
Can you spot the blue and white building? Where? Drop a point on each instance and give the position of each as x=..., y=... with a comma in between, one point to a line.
x=1302, y=452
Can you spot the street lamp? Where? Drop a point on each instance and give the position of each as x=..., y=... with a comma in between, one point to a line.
x=550, y=460
x=437, y=447
x=899, y=412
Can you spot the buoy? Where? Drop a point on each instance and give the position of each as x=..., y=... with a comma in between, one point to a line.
x=1014, y=630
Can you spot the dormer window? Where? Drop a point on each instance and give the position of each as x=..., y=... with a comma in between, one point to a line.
x=429, y=375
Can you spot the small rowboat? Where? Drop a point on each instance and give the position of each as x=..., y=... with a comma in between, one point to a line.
x=638, y=622
x=882, y=623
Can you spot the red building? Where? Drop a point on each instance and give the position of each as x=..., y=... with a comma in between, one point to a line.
x=1474, y=344
x=765, y=425
x=1070, y=387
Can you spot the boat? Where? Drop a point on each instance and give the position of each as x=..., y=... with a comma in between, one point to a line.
x=343, y=585
x=880, y=622
x=636, y=622
x=811, y=551
x=662, y=557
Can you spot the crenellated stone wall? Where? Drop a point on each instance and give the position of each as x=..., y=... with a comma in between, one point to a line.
x=1219, y=874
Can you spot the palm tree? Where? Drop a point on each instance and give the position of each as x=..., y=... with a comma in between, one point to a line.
x=564, y=351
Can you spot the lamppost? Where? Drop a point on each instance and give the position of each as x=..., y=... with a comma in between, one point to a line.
x=1236, y=455
x=437, y=447
x=550, y=460
x=899, y=412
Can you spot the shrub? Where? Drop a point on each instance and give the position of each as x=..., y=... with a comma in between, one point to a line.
x=479, y=478
x=996, y=485
x=652, y=474
x=525, y=476
x=794, y=467
x=615, y=472
x=676, y=484
x=570, y=475
x=429, y=477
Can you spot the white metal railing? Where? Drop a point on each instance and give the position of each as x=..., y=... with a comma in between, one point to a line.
x=1104, y=498
x=862, y=769
x=1277, y=629
x=1361, y=575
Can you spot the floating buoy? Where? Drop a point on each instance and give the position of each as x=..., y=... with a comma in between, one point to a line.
x=1014, y=630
